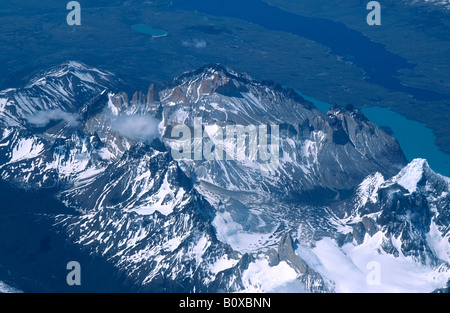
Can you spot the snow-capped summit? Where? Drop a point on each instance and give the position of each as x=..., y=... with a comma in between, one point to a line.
x=411, y=175
x=69, y=70
x=69, y=87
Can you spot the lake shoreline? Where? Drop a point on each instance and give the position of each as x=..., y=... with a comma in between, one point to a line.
x=416, y=139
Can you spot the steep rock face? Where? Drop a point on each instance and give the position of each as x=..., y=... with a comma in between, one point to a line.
x=321, y=159
x=311, y=279
x=317, y=151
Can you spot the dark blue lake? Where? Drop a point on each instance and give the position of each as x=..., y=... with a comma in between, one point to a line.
x=380, y=64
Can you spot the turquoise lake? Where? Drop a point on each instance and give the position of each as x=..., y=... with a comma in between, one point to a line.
x=142, y=28
x=416, y=140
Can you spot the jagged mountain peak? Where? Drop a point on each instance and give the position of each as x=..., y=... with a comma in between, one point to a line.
x=412, y=174
x=210, y=79
x=416, y=177
x=410, y=211
x=337, y=111
x=218, y=79
x=215, y=69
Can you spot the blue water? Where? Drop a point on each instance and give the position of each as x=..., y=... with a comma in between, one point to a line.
x=380, y=64
x=142, y=28
x=416, y=140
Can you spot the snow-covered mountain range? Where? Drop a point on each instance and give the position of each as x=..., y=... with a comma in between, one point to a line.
x=343, y=203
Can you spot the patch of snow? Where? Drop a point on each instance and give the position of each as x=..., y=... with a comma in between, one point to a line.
x=200, y=248
x=232, y=233
x=87, y=176
x=260, y=277
x=368, y=189
x=180, y=116
x=410, y=176
x=3, y=103
x=173, y=243
x=105, y=154
x=222, y=264
x=6, y=133
x=111, y=106
x=350, y=268
x=217, y=107
x=76, y=163
x=4, y=288
x=438, y=243
x=26, y=149
x=158, y=200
